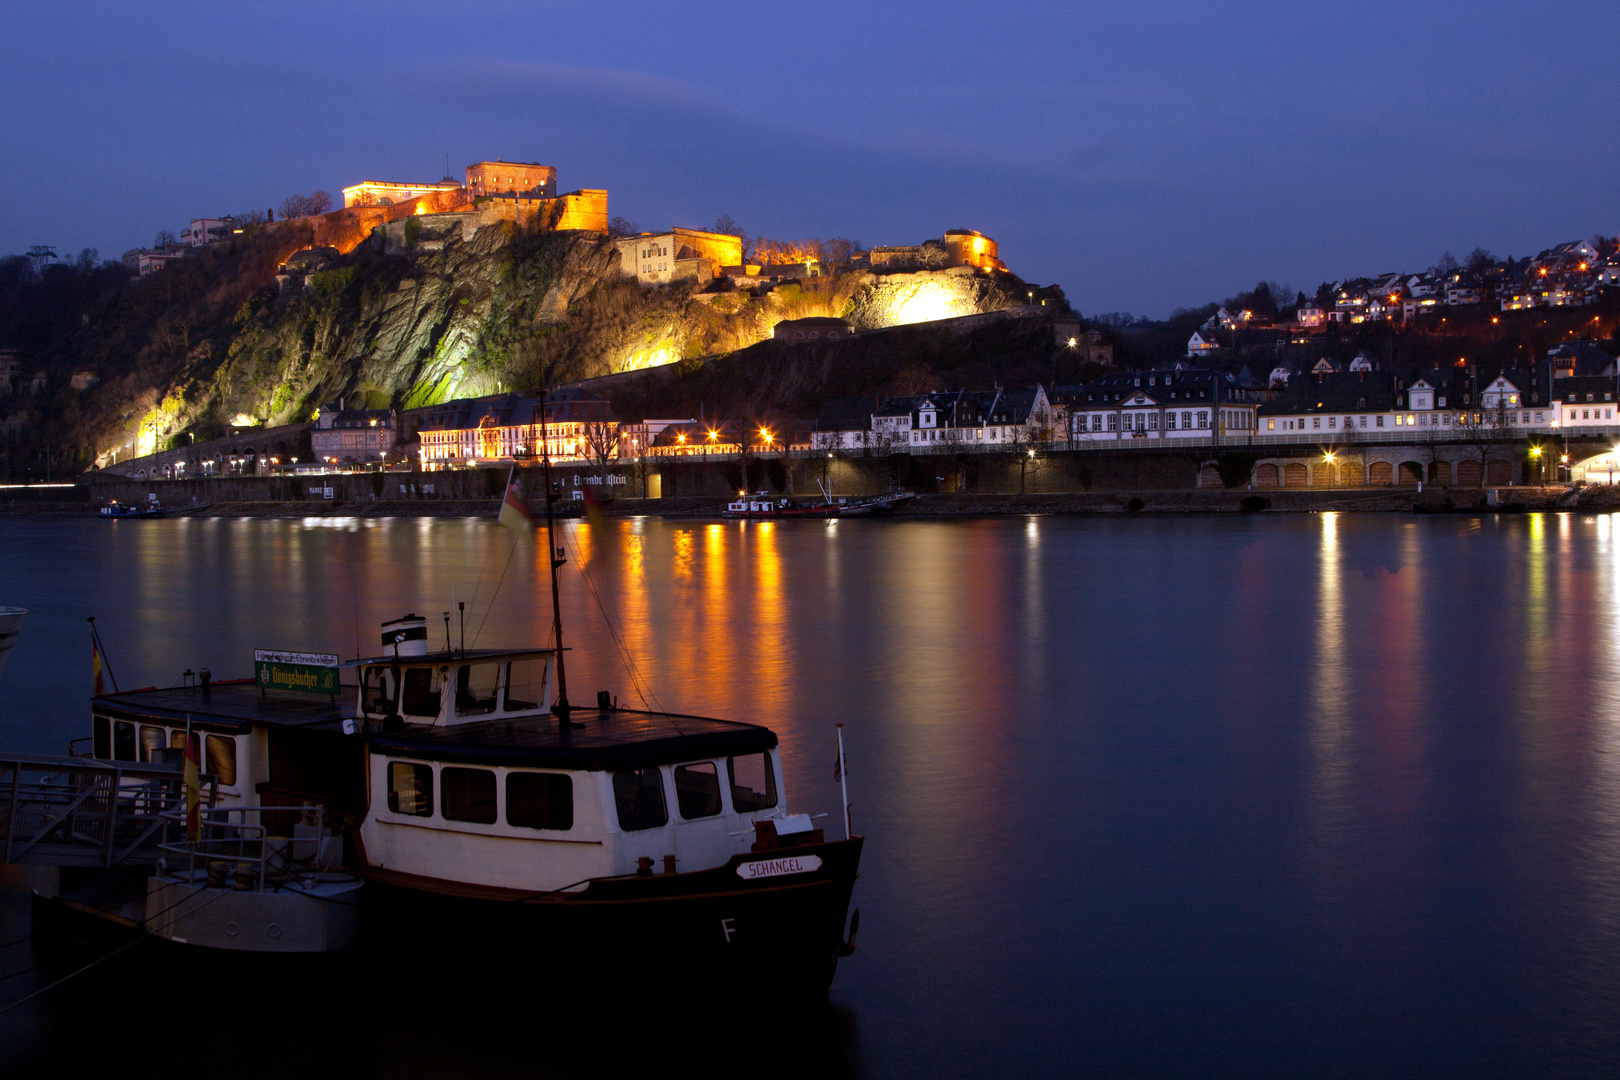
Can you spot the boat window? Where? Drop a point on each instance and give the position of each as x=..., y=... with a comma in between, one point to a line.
x=539, y=800
x=103, y=738
x=420, y=692
x=177, y=738
x=525, y=684
x=378, y=694
x=697, y=790
x=467, y=795
x=410, y=788
x=753, y=783
x=475, y=688
x=123, y=741
x=639, y=796
x=153, y=739
x=222, y=758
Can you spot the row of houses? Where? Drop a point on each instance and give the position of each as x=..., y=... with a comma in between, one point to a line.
x=1573, y=391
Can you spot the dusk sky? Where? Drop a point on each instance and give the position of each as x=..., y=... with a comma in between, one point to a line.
x=1145, y=156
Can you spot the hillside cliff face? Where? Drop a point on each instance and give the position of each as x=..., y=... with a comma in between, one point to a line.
x=265, y=331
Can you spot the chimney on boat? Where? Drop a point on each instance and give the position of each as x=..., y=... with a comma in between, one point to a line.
x=406, y=636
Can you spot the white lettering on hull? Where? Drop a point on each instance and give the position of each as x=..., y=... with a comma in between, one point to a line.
x=769, y=868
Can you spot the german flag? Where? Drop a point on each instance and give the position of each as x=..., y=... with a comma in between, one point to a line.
x=514, y=510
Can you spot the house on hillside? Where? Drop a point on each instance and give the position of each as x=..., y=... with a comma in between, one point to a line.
x=1202, y=343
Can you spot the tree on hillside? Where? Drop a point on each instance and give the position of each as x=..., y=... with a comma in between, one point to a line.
x=87, y=261
x=725, y=225
x=620, y=227
x=164, y=238
x=1479, y=260
x=297, y=206
x=1448, y=264
x=249, y=218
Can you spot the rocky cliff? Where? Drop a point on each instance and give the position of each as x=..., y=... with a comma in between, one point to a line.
x=266, y=329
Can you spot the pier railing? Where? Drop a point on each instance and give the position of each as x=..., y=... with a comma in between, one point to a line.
x=72, y=811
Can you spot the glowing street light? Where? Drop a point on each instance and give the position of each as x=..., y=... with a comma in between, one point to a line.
x=765, y=433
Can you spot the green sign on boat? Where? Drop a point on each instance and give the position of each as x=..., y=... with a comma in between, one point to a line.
x=313, y=673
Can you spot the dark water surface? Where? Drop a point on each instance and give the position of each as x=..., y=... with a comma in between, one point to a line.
x=1303, y=795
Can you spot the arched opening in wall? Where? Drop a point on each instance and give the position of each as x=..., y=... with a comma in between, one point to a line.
x=1440, y=472
x=1411, y=472
x=1380, y=473
x=1295, y=475
x=1321, y=475
x=1468, y=474
x=1499, y=473
x=1350, y=474
x=1209, y=477
x=1265, y=476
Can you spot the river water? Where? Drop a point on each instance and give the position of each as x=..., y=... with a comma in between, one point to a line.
x=1235, y=795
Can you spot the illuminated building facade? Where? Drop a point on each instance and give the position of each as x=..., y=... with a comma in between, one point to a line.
x=342, y=436
x=388, y=192
x=678, y=255
x=511, y=180
x=496, y=430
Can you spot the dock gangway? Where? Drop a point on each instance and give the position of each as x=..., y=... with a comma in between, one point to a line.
x=74, y=811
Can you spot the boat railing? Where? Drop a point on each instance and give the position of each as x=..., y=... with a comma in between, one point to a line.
x=231, y=850
x=73, y=811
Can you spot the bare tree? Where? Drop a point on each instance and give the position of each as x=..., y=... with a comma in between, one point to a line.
x=600, y=442
x=620, y=227
x=1485, y=431
x=297, y=206
x=87, y=260
x=165, y=238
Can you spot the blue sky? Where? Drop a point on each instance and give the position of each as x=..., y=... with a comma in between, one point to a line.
x=1144, y=155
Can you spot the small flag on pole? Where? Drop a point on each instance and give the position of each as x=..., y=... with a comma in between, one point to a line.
x=515, y=511
x=95, y=664
x=593, y=509
x=193, y=787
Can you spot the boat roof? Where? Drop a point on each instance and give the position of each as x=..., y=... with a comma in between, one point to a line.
x=605, y=739
x=455, y=656
x=233, y=706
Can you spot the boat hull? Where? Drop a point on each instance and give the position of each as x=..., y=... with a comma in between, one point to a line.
x=783, y=933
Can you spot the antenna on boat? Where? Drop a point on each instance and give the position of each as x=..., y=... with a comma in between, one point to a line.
x=560, y=708
x=448, y=649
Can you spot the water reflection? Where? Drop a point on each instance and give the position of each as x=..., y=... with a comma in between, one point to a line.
x=1334, y=793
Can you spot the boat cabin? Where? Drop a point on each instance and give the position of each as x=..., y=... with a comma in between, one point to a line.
x=455, y=772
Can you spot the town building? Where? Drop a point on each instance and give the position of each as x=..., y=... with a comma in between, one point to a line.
x=1202, y=343
x=815, y=328
x=341, y=436
x=958, y=247
x=150, y=262
x=511, y=180
x=1181, y=402
x=507, y=428
x=389, y=192
x=207, y=230
x=677, y=255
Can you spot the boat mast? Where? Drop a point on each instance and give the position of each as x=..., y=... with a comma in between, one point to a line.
x=560, y=709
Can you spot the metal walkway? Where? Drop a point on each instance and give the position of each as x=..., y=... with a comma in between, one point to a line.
x=68, y=811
